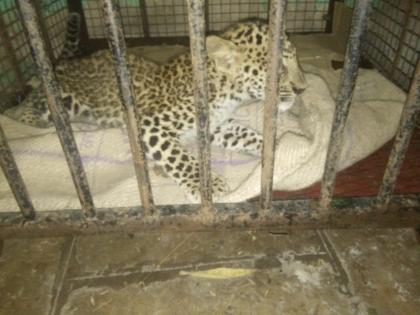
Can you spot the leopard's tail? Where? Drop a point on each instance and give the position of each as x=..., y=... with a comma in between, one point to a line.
x=71, y=46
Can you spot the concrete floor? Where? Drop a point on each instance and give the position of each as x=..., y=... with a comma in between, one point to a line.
x=304, y=272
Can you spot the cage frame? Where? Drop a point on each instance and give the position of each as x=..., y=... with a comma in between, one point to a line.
x=384, y=210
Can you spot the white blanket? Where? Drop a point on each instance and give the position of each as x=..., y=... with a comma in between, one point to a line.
x=302, y=142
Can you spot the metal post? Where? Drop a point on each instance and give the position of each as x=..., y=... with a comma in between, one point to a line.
x=128, y=100
x=58, y=113
x=346, y=87
x=144, y=18
x=10, y=170
x=275, y=49
x=196, y=16
x=401, y=142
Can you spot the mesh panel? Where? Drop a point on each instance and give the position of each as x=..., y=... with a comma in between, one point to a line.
x=392, y=45
x=224, y=13
x=55, y=19
x=13, y=49
x=130, y=13
x=15, y=57
x=410, y=49
x=306, y=15
x=94, y=18
x=169, y=18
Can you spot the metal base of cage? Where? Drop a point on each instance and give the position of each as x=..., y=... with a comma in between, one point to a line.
x=347, y=213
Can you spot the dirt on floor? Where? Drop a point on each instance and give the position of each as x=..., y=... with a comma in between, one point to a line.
x=232, y=272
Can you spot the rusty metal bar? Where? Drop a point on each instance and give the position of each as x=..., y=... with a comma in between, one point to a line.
x=343, y=101
x=401, y=142
x=7, y=44
x=44, y=30
x=12, y=174
x=275, y=49
x=119, y=51
x=196, y=14
x=58, y=112
x=404, y=211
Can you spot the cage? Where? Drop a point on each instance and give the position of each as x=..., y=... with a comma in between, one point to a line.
x=390, y=44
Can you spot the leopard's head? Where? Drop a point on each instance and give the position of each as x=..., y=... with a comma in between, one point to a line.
x=241, y=53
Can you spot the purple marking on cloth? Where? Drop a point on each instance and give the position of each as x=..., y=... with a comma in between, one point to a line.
x=232, y=162
x=85, y=158
x=105, y=159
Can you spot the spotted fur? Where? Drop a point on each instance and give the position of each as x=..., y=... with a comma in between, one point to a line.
x=71, y=46
x=237, y=67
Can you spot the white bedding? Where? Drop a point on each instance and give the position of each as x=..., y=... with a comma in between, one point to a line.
x=302, y=141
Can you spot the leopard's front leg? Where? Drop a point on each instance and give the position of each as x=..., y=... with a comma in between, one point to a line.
x=236, y=137
x=164, y=148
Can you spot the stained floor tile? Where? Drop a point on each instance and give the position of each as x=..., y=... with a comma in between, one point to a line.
x=27, y=273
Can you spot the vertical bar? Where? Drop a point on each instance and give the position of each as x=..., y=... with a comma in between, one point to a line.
x=275, y=49
x=44, y=30
x=58, y=113
x=196, y=23
x=401, y=142
x=346, y=87
x=119, y=52
x=207, y=15
x=144, y=18
x=329, y=17
x=10, y=52
x=10, y=170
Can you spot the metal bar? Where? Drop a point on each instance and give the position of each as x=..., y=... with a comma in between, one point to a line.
x=404, y=211
x=343, y=101
x=207, y=15
x=44, y=30
x=128, y=100
x=58, y=113
x=7, y=44
x=144, y=18
x=329, y=17
x=401, y=142
x=196, y=22
x=275, y=49
x=12, y=174
x=398, y=53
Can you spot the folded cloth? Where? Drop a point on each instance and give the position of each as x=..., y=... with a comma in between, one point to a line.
x=303, y=135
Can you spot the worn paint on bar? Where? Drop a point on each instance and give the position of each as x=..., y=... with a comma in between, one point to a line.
x=402, y=140
x=196, y=17
x=58, y=113
x=404, y=211
x=12, y=174
x=343, y=101
x=119, y=51
x=275, y=48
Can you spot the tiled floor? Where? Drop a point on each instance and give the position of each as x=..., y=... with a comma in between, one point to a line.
x=305, y=272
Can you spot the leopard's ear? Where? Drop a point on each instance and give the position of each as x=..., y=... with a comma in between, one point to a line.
x=226, y=54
